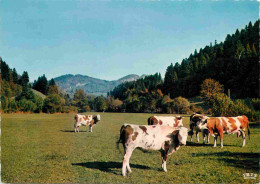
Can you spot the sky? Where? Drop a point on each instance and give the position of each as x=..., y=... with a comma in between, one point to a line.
x=109, y=39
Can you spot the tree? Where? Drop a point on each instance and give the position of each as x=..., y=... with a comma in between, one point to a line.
x=15, y=76
x=100, y=104
x=209, y=88
x=41, y=84
x=52, y=82
x=81, y=101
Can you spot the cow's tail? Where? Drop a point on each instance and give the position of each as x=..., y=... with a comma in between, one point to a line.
x=120, y=140
x=248, y=130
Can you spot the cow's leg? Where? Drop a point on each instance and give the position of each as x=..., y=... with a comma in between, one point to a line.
x=208, y=135
x=191, y=134
x=90, y=128
x=197, y=136
x=244, y=138
x=164, y=158
x=204, y=136
x=215, y=140
x=221, y=138
x=75, y=128
x=127, y=155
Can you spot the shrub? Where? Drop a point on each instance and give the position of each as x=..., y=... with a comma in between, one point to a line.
x=255, y=102
x=197, y=109
x=26, y=105
x=181, y=105
x=53, y=103
x=220, y=104
x=12, y=106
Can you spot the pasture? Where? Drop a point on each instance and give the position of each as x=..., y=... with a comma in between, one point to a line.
x=43, y=148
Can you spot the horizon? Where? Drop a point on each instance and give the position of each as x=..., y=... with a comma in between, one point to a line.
x=108, y=40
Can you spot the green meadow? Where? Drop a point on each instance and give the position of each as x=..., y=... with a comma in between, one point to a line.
x=43, y=148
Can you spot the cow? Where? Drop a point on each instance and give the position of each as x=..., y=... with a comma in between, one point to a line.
x=165, y=138
x=219, y=125
x=85, y=120
x=194, y=119
x=165, y=120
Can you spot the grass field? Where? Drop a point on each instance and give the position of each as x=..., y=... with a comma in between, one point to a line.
x=43, y=148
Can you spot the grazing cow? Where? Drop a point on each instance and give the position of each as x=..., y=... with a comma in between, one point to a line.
x=194, y=119
x=164, y=138
x=85, y=120
x=219, y=125
x=165, y=120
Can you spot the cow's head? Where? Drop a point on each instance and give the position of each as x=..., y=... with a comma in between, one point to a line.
x=182, y=135
x=98, y=117
x=202, y=123
x=195, y=118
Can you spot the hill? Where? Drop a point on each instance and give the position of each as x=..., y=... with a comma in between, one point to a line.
x=69, y=83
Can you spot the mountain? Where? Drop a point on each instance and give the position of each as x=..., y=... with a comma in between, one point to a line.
x=69, y=83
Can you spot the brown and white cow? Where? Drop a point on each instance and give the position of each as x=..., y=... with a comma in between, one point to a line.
x=194, y=119
x=84, y=120
x=165, y=120
x=219, y=125
x=165, y=138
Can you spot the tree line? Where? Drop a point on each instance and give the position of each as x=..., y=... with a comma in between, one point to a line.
x=43, y=95
x=234, y=63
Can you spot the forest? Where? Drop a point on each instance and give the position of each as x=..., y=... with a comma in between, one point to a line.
x=232, y=65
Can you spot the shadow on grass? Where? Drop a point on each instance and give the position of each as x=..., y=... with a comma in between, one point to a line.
x=72, y=131
x=247, y=161
x=208, y=144
x=198, y=144
x=108, y=166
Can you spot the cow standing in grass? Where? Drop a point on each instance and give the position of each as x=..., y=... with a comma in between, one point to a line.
x=84, y=120
x=164, y=138
x=219, y=125
x=194, y=119
x=165, y=120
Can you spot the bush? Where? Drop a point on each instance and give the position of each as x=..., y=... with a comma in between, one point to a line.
x=255, y=102
x=53, y=103
x=12, y=106
x=181, y=105
x=69, y=109
x=238, y=107
x=220, y=105
x=197, y=109
x=26, y=105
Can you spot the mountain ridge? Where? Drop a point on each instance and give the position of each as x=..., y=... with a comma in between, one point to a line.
x=69, y=83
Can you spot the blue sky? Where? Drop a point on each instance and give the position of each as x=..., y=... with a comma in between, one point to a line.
x=110, y=39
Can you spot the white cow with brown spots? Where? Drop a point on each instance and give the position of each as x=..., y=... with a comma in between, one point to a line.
x=84, y=120
x=219, y=125
x=164, y=138
x=165, y=120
